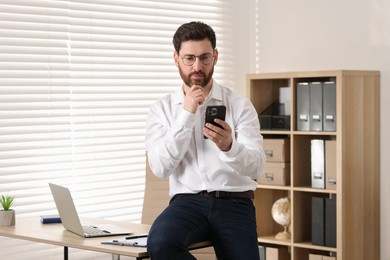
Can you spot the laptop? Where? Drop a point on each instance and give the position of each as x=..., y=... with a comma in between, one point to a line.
x=71, y=221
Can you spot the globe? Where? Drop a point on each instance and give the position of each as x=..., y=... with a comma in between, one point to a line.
x=281, y=214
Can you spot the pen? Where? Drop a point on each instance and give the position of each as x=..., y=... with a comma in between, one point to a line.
x=137, y=236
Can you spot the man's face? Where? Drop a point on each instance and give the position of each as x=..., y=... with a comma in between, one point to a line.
x=197, y=73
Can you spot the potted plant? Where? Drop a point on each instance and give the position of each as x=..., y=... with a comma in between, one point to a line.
x=7, y=215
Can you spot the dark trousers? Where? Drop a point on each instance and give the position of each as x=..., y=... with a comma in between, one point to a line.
x=229, y=223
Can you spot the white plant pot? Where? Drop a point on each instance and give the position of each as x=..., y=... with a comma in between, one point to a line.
x=7, y=218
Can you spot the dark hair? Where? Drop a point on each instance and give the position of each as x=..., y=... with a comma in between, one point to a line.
x=193, y=31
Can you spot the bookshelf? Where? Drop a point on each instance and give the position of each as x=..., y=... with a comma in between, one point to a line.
x=357, y=138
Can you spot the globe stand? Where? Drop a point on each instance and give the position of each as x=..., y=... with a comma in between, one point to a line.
x=280, y=212
x=283, y=235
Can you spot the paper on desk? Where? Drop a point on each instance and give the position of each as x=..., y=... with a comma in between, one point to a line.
x=139, y=242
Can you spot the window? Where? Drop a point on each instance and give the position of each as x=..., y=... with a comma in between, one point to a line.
x=76, y=80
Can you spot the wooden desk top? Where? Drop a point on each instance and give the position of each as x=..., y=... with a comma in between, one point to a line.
x=33, y=230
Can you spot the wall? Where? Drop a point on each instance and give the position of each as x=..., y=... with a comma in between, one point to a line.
x=243, y=41
x=333, y=34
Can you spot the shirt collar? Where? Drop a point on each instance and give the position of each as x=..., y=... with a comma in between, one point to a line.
x=215, y=93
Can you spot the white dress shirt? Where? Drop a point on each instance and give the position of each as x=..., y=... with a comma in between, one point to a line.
x=177, y=149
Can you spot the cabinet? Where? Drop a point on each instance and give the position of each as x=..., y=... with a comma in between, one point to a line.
x=357, y=166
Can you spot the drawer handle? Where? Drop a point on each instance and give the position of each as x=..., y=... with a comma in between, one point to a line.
x=269, y=176
x=269, y=153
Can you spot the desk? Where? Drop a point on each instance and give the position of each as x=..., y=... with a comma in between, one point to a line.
x=32, y=229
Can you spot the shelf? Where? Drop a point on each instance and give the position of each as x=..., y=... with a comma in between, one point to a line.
x=273, y=187
x=275, y=132
x=273, y=240
x=289, y=132
x=312, y=190
x=289, y=188
x=354, y=149
x=314, y=133
x=309, y=245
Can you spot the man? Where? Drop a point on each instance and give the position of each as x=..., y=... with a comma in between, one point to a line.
x=211, y=170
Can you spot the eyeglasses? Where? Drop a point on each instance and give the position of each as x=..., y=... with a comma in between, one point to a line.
x=205, y=59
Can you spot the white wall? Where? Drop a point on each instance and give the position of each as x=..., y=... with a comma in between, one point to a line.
x=243, y=41
x=327, y=35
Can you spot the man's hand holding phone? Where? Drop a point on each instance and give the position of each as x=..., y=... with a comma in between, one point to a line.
x=216, y=129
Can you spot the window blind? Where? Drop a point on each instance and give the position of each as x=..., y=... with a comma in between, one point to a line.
x=76, y=82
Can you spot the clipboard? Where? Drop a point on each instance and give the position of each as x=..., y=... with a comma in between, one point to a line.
x=137, y=241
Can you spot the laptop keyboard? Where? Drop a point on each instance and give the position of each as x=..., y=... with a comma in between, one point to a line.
x=94, y=231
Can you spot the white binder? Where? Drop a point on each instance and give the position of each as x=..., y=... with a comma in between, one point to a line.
x=317, y=164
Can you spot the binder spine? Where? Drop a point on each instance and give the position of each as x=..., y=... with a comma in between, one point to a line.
x=303, y=106
x=317, y=164
x=330, y=222
x=317, y=221
x=329, y=113
x=316, y=106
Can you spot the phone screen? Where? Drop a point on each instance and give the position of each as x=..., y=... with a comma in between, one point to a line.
x=213, y=112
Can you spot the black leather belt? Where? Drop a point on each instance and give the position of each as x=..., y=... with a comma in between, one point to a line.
x=249, y=194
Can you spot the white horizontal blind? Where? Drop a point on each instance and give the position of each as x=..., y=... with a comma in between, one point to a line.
x=76, y=81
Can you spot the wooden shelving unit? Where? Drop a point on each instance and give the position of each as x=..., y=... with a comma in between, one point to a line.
x=357, y=138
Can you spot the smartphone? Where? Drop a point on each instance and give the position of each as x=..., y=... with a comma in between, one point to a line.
x=213, y=112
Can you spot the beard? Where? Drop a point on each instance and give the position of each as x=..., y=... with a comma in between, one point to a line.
x=201, y=81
